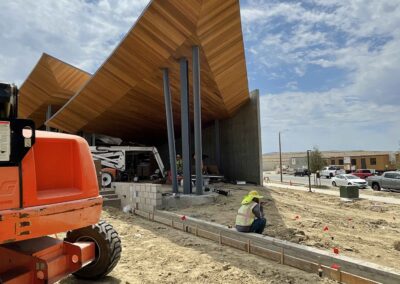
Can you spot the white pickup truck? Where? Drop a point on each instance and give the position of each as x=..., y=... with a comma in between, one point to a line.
x=331, y=171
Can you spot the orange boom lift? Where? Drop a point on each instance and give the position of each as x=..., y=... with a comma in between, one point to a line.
x=48, y=185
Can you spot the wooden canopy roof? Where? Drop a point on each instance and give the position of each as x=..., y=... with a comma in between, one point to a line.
x=51, y=82
x=124, y=98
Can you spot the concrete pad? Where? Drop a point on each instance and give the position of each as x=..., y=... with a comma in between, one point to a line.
x=183, y=201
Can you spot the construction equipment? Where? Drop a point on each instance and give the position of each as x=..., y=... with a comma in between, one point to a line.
x=114, y=160
x=48, y=185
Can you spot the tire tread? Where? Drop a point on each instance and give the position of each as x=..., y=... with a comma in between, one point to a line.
x=108, y=233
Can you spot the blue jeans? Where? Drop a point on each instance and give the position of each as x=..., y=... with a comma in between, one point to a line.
x=258, y=226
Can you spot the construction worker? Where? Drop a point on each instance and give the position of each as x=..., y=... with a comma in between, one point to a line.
x=179, y=164
x=250, y=216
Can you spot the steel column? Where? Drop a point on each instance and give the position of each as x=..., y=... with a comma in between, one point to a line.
x=170, y=130
x=217, y=145
x=48, y=116
x=197, y=119
x=185, y=123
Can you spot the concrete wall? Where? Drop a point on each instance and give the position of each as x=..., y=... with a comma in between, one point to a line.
x=240, y=138
x=142, y=196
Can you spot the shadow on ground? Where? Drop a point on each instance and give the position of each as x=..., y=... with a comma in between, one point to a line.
x=106, y=280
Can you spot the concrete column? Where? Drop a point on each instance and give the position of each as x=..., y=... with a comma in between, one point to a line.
x=197, y=119
x=170, y=129
x=185, y=124
x=48, y=116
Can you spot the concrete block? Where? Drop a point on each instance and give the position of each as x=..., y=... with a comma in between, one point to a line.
x=153, y=189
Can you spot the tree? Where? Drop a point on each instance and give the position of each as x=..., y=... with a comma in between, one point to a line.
x=316, y=160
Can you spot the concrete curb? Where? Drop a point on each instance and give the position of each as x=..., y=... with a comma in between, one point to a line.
x=295, y=255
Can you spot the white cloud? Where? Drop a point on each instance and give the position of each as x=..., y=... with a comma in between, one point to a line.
x=331, y=120
x=82, y=33
x=360, y=39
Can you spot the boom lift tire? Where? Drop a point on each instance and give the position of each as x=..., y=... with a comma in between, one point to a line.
x=108, y=249
x=106, y=179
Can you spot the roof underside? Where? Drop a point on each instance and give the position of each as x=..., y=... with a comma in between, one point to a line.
x=125, y=98
x=51, y=82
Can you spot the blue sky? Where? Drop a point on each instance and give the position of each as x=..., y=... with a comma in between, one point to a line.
x=327, y=70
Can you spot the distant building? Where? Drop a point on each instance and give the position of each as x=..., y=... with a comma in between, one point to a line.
x=377, y=160
x=298, y=162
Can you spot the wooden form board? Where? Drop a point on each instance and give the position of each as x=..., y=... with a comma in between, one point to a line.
x=352, y=271
x=124, y=98
x=51, y=82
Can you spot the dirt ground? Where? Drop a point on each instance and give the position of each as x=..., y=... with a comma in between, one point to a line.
x=154, y=253
x=363, y=229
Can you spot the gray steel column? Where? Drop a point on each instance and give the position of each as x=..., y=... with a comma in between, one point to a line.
x=197, y=119
x=187, y=184
x=217, y=145
x=48, y=116
x=93, y=138
x=170, y=129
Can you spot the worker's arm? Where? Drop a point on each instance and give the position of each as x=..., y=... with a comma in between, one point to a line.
x=258, y=211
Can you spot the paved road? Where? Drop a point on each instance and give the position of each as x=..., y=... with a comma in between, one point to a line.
x=302, y=180
x=385, y=199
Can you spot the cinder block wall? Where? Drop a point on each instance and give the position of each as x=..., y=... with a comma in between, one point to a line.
x=141, y=196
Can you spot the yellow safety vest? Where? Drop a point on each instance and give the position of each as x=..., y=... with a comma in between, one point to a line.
x=245, y=216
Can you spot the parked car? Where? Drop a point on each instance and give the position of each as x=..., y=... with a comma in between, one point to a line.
x=363, y=173
x=301, y=172
x=331, y=171
x=346, y=179
x=388, y=180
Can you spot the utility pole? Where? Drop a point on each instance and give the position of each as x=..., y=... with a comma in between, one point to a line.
x=309, y=172
x=280, y=156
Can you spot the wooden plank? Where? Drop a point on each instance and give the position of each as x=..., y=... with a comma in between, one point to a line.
x=353, y=279
x=51, y=82
x=302, y=264
x=266, y=253
x=124, y=97
x=234, y=243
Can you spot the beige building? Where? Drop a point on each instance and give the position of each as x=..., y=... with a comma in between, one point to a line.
x=377, y=160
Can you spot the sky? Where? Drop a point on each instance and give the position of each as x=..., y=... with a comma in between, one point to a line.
x=328, y=71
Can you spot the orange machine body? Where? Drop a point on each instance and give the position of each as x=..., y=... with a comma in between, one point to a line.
x=55, y=191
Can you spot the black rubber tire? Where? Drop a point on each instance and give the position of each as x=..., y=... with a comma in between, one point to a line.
x=108, y=249
x=109, y=176
x=376, y=187
x=334, y=183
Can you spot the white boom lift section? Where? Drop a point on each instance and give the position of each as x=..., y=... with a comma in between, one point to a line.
x=115, y=157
